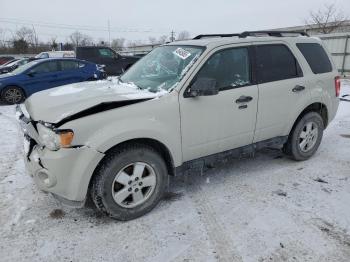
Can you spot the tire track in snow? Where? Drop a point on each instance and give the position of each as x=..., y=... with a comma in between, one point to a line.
x=217, y=236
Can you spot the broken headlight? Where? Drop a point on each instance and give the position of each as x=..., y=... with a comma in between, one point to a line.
x=54, y=139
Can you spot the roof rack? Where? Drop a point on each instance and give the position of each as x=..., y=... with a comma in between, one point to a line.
x=254, y=33
x=215, y=35
x=271, y=33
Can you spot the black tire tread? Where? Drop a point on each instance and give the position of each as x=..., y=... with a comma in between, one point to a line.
x=289, y=148
x=96, y=188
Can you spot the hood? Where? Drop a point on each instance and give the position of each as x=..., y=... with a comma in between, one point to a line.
x=6, y=76
x=66, y=102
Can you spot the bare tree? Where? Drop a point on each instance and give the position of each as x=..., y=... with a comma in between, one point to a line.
x=162, y=39
x=2, y=38
x=80, y=39
x=326, y=19
x=118, y=44
x=152, y=40
x=53, y=43
x=134, y=43
x=27, y=34
x=183, y=35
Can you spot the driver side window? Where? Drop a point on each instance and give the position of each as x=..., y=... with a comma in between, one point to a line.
x=230, y=68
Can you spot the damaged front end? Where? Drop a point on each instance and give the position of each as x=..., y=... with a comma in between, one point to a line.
x=55, y=165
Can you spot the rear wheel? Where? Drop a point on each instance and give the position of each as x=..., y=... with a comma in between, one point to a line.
x=130, y=182
x=12, y=95
x=305, y=137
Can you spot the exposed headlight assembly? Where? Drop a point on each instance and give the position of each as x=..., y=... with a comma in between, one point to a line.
x=54, y=139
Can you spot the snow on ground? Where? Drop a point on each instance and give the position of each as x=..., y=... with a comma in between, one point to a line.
x=266, y=208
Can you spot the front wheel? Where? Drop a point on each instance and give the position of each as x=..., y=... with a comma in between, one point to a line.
x=130, y=182
x=12, y=95
x=305, y=137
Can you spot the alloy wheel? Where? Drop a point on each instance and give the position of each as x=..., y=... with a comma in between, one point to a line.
x=308, y=137
x=134, y=184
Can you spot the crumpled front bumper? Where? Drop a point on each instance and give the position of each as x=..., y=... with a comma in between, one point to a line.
x=66, y=172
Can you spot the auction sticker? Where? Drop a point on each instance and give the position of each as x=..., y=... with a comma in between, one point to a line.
x=182, y=53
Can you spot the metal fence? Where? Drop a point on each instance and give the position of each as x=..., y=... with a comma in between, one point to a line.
x=339, y=46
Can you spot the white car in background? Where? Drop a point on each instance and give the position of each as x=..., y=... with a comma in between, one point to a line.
x=56, y=54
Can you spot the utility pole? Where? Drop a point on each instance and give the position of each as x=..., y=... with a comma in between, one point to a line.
x=109, y=34
x=172, y=37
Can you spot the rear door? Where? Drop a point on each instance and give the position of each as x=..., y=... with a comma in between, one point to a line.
x=213, y=124
x=71, y=71
x=282, y=89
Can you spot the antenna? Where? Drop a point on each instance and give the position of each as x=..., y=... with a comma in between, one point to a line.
x=109, y=34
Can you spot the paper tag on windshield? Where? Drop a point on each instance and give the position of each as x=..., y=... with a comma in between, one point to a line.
x=182, y=53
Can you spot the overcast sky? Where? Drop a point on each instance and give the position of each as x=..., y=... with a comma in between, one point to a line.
x=139, y=19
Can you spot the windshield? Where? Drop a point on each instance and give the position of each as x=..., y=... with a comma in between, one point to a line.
x=163, y=68
x=23, y=68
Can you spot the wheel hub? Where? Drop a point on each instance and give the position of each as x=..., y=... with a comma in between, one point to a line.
x=133, y=184
x=308, y=137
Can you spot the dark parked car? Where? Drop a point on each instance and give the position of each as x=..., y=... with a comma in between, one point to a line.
x=5, y=59
x=115, y=64
x=9, y=67
x=43, y=74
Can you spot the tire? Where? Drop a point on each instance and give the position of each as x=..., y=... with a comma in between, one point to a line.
x=120, y=186
x=305, y=137
x=12, y=95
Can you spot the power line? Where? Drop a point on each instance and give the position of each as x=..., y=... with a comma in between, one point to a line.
x=78, y=27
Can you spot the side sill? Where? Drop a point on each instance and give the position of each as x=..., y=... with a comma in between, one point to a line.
x=237, y=153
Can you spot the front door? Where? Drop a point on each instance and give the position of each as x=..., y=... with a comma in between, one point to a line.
x=42, y=76
x=213, y=124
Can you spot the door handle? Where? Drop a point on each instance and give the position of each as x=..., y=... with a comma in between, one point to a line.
x=244, y=99
x=298, y=88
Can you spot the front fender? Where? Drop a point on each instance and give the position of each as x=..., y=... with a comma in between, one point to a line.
x=156, y=119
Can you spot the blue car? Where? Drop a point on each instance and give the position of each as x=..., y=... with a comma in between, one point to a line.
x=43, y=74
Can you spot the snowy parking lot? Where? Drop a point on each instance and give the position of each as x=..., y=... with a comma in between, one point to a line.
x=265, y=208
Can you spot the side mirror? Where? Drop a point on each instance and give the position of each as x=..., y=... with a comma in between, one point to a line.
x=31, y=74
x=203, y=87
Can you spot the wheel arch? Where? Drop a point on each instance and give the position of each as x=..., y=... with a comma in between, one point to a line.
x=155, y=144
x=317, y=107
x=14, y=85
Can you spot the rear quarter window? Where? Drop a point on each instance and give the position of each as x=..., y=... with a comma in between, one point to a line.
x=316, y=57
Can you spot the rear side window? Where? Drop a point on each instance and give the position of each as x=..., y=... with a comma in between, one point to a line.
x=105, y=52
x=316, y=57
x=69, y=65
x=276, y=62
x=86, y=52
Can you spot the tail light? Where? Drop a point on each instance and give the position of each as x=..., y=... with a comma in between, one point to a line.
x=337, y=86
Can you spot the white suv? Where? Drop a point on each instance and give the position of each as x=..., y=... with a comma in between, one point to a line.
x=182, y=107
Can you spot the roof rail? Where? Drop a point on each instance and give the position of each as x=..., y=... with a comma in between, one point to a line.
x=215, y=35
x=271, y=33
x=253, y=33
